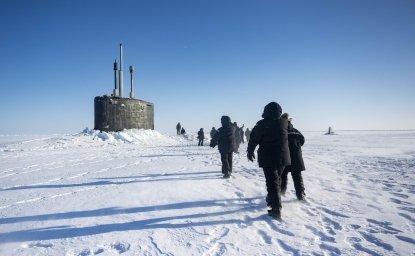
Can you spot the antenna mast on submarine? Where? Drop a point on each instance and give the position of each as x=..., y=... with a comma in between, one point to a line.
x=132, y=82
x=115, y=93
x=121, y=73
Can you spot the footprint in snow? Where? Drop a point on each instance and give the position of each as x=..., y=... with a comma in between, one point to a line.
x=408, y=217
x=216, y=234
x=408, y=209
x=239, y=194
x=400, y=195
x=355, y=242
x=310, y=211
x=287, y=248
x=265, y=238
x=382, y=227
x=374, y=240
x=406, y=239
x=330, y=225
x=276, y=225
x=331, y=249
x=397, y=201
x=321, y=235
x=334, y=213
x=120, y=247
x=85, y=252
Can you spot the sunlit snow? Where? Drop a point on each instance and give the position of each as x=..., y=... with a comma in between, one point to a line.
x=140, y=192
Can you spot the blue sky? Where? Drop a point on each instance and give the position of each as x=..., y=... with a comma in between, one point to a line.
x=345, y=64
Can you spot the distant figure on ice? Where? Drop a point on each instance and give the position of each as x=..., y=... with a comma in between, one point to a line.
x=241, y=133
x=225, y=139
x=182, y=131
x=212, y=132
x=200, y=136
x=237, y=138
x=329, y=132
x=295, y=142
x=178, y=128
x=247, y=134
x=271, y=134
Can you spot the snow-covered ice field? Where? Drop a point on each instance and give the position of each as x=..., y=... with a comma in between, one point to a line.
x=144, y=193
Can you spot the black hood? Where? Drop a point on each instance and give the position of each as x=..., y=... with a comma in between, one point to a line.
x=226, y=121
x=272, y=110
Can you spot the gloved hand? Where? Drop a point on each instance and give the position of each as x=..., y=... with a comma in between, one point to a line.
x=251, y=156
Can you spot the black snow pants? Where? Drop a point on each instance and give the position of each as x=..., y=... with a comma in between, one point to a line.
x=297, y=179
x=200, y=142
x=226, y=159
x=273, y=182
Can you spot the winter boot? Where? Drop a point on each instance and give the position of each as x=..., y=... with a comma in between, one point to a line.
x=275, y=212
x=299, y=185
x=301, y=196
x=268, y=200
x=283, y=190
x=226, y=175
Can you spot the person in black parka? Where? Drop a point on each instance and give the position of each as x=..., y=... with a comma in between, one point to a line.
x=271, y=134
x=225, y=139
x=212, y=132
x=178, y=128
x=241, y=132
x=247, y=134
x=296, y=141
x=200, y=136
x=237, y=137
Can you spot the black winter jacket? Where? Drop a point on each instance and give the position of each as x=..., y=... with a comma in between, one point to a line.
x=296, y=141
x=225, y=139
x=271, y=134
x=200, y=135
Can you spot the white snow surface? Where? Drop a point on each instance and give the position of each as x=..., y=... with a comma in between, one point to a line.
x=140, y=192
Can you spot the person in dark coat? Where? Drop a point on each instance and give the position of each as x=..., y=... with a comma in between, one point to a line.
x=200, y=136
x=271, y=134
x=178, y=128
x=212, y=132
x=237, y=138
x=247, y=134
x=295, y=141
x=182, y=131
x=225, y=138
x=241, y=133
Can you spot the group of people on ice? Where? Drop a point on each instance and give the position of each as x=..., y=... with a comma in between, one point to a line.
x=279, y=152
x=240, y=135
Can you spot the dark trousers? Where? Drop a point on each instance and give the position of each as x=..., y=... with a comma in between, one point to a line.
x=226, y=163
x=178, y=132
x=200, y=142
x=297, y=179
x=273, y=182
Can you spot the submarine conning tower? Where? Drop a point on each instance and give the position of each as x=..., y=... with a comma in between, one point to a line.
x=115, y=113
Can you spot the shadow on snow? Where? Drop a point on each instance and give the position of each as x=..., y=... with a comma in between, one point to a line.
x=60, y=232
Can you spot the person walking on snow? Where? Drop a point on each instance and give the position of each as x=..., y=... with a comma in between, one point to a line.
x=247, y=134
x=241, y=133
x=271, y=134
x=212, y=132
x=200, y=136
x=295, y=142
x=225, y=139
x=237, y=138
